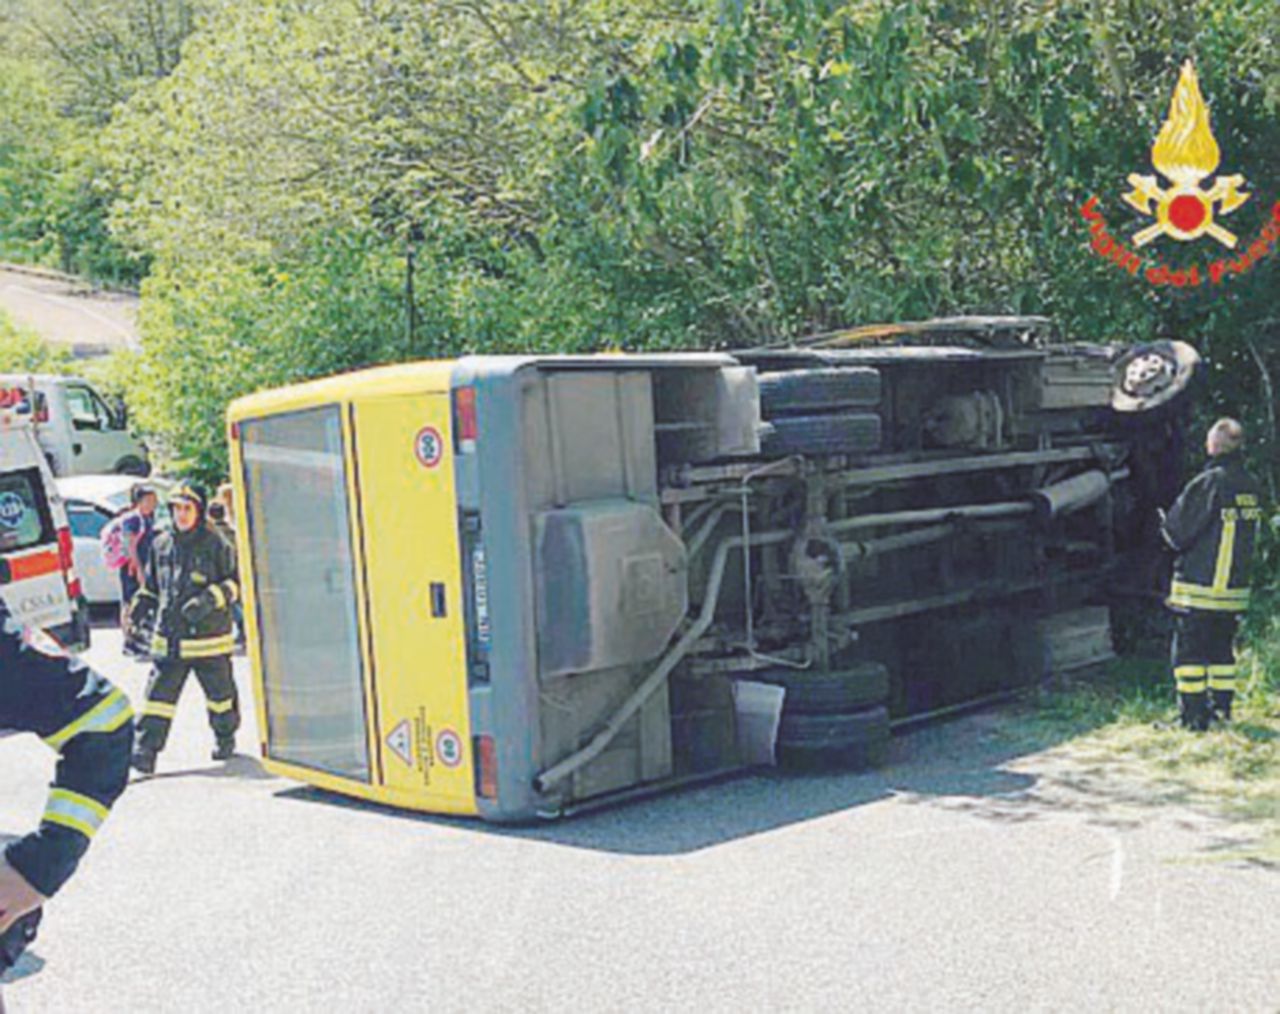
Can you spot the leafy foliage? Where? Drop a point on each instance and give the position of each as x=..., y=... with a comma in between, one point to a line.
x=22, y=351
x=64, y=67
x=30, y=161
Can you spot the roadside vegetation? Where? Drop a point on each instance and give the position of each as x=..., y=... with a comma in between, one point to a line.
x=23, y=351
x=1124, y=723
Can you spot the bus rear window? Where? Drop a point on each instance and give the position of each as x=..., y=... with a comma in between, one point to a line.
x=24, y=513
x=305, y=584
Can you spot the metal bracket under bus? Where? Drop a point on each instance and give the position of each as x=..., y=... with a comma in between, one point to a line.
x=675, y=654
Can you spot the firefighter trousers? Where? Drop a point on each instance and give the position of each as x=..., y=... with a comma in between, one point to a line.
x=165, y=687
x=1204, y=665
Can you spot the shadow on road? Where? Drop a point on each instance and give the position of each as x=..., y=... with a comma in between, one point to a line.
x=104, y=616
x=962, y=759
x=239, y=766
x=27, y=965
x=990, y=765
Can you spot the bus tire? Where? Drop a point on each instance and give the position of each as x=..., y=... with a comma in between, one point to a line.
x=849, y=742
x=839, y=433
x=799, y=391
x=133, y=466
x=813, y=692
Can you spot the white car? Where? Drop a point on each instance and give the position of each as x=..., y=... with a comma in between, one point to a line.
x=92, y=501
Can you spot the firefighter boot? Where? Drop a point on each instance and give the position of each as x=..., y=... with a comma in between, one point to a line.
x=144, y=761
x=225, y=749
x=1194, y=711
x=17, y=938
x=1222, y=704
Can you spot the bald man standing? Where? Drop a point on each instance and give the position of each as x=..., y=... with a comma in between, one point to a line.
x=1212, y=526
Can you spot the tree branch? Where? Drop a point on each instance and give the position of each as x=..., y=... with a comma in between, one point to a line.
x=1269, y=396
x=477, y=11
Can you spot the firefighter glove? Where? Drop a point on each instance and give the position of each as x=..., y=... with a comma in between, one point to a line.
x=142, y=612
x=196, y=609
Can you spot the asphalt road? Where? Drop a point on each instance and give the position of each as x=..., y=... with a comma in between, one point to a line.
x=964, y=876
x=67, y=311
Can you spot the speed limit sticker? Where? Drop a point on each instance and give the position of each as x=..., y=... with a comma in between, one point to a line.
x=428, y=445
x=449, y=748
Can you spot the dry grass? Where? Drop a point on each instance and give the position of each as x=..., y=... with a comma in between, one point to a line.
x=1125, y=723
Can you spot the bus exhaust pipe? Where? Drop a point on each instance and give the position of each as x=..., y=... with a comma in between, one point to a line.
x=1074, y=494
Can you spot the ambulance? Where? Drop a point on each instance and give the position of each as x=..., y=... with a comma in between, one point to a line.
x=38, y=581
x=520, y=586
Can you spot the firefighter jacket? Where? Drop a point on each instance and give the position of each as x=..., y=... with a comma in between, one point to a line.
x=191, y=577
x=1213, y=526
x=88, y=722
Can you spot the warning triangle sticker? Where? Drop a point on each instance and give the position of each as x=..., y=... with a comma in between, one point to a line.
x=401, y=742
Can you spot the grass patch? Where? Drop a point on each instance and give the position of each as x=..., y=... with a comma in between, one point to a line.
x=1125, y=722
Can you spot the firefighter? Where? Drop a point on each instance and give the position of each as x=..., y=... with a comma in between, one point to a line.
x=1212, y=527
x=89, y=723
x=190, y=588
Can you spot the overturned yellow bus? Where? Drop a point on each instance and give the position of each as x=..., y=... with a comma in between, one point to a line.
x=517, y=586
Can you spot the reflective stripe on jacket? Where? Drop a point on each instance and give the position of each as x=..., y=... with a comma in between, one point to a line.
x=89, y=723
x=1213, y=527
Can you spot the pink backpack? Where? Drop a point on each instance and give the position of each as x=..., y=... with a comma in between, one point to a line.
x=112, y=539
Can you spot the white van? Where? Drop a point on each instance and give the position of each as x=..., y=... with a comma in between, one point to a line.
x=78, y=430
x=38, y=581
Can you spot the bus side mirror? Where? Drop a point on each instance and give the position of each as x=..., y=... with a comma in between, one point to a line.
x=120, y=414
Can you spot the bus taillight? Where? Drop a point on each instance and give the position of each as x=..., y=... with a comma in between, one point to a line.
x=465, y=421
x=486, y=755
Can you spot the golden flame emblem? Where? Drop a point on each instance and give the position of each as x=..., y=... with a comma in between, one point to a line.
x=1185, y=153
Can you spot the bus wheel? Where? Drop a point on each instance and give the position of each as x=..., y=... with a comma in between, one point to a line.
x=795, y=391
x=132, y=466
x=850, y=742
x=841, y=433
x=814, y=692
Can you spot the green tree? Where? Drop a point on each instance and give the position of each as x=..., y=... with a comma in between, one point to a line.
x=64, y=68
x=31, y=139
x=99, y=52
x=679, y=174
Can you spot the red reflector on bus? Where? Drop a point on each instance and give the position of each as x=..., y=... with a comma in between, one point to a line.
x=486, y=754
x=466, y=422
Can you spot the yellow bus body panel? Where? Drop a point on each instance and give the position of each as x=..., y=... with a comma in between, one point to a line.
x=413, y=570
x=380, y=382
x=404, y=518
x=372, y=793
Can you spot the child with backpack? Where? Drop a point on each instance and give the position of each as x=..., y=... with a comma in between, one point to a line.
x=126, y=543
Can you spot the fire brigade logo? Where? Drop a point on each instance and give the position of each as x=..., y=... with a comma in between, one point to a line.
x=1186, y=153
x=1186, y=157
